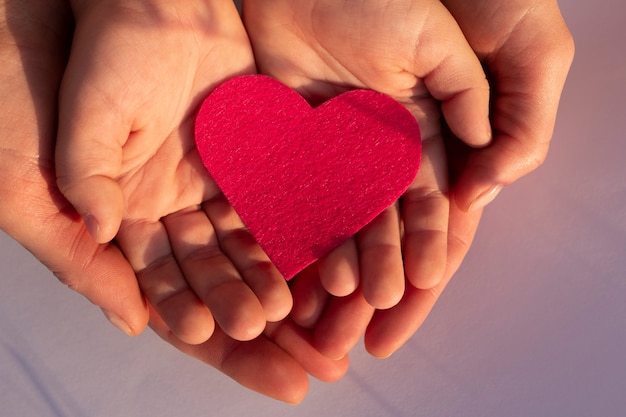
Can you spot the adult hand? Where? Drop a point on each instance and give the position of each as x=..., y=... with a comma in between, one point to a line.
x=36, y=35
x=527, y=51
x=338, y=323
x=35, y=39
x=137, y=73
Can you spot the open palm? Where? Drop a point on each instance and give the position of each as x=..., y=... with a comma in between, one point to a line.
x=34, y=212
x=414, y=52
x=126, y=159
x=417, y=54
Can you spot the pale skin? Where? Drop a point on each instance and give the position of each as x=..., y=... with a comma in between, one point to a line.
x=137, y=73
x=414, y=52
x=339, y=272
x=90, y=268
x=85, y=88
x=35, y=37
x=527, y=50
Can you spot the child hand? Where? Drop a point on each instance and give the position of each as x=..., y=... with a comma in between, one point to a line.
x=135, y=76
x=543, y=46
x=415, y=52
x=126, y=157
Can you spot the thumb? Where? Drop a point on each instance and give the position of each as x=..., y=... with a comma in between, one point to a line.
x=89, y=158
x=529, y=75
x=98, y=272
x=102, y=275
x=459, y=82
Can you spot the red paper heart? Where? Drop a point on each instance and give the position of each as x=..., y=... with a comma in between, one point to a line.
x=304, y=180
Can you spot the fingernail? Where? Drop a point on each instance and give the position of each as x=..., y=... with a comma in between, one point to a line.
x=485, y=198
x=117, y=322
x=488, y=132
x=92, y=225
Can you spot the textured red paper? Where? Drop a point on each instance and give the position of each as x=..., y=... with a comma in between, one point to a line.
x=304, y=180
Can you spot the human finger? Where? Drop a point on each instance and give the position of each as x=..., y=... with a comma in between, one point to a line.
x=299, y=343
x=380, y=258
x=32, y=210
x=390, y=329
x=343, y=323
x=528, y=71
x=425, y=214
x=309, y=297
x=253, y=264
x=339, y=270
x=56, y=236
x=259, y=364
x=274, y=364
x=146, y=246
x=92, y=130
x=453, y=74
x=212, y=276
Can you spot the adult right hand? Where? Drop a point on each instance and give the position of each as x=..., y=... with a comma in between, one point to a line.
x=35, y=36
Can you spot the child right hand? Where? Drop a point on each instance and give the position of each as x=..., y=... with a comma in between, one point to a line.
x=125, y=155
x=135, y=76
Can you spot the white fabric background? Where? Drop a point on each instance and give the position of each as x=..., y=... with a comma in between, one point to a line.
x=534, y=324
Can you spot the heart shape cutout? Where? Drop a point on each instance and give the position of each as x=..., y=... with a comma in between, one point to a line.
x=303, y=179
